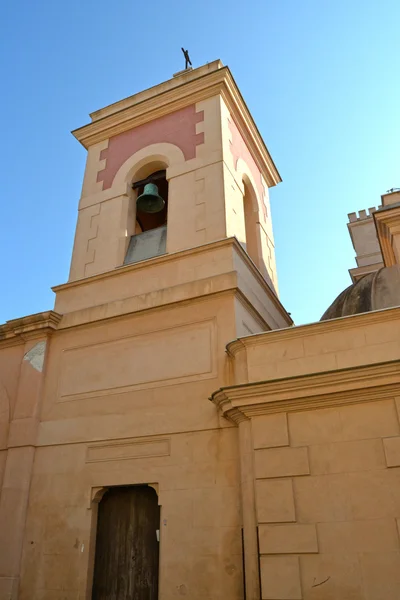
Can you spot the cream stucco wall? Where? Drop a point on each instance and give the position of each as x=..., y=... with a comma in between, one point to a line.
x=102, y=425
x=321, y=404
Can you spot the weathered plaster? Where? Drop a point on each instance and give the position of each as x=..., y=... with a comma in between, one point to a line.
x=35, y=356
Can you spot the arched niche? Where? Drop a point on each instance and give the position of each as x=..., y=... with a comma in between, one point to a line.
x=251, y=211
x=252, y=224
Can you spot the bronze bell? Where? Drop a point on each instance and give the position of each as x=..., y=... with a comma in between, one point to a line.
x=150, y=201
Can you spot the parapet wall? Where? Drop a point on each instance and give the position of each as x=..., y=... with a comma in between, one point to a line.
x=363, y=235
x=361, y=215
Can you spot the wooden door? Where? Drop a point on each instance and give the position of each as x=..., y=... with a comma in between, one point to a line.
x=126, y=559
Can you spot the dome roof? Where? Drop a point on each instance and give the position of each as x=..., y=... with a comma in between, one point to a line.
x=374, y=291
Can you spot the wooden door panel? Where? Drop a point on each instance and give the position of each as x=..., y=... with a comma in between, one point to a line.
x=126, y=559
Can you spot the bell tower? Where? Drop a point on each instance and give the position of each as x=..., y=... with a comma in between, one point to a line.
x=120, y=477
x=190, y=145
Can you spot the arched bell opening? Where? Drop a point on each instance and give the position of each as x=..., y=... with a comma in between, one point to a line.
x=155, y=184
x=150, y=198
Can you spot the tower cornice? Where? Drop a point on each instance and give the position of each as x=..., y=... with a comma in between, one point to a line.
x=29, y=327
x=170, y=96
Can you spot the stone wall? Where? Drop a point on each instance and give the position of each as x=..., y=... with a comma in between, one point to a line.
x=328, y=502
x=323, y=405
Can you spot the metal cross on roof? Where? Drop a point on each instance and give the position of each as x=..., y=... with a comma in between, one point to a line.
x=187, y=59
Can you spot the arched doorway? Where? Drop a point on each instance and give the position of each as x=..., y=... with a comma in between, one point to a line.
x=127, y=547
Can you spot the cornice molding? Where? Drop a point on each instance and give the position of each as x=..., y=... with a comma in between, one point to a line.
x=218, y=82
x=385, y=221
x=166, y=258
x=249, y=130
x=82, y=317
x=215, y=285
x=317, y=328
x=305, y=392
x=358, y=272
x=149, y=109
x=177, y=80
x=29, y=327
x=261, y=280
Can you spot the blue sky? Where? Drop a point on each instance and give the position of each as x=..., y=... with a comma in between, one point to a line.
x=320, y=77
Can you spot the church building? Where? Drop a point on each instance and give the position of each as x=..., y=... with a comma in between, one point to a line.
x=166, y=431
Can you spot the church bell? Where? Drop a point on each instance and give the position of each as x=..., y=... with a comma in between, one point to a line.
x=150, y=201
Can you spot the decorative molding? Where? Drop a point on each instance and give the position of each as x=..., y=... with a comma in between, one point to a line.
x=155, y=90
x=262, y=281
x=235, y=415
x=217, y=82
x=166, y=258
x=306, y=392
x=317, y=328
x=128, y=449
x=357, y=272
x=217, y=285
x=148, y=110
x=248, y=129
x=95, y=495
x=30, y=327
x=234, y=347
x=156, y=488
x=386, y=221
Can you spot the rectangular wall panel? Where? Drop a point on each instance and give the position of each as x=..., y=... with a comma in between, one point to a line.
x=162, y=357
x=127, y=449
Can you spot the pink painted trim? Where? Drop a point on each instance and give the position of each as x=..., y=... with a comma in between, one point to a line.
x=178, y=128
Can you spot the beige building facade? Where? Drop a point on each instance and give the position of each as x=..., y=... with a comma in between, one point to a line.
x=273, y=459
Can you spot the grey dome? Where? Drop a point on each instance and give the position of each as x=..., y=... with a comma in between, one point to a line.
x=374, y=291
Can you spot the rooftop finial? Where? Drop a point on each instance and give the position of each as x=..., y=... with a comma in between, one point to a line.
x=187, y=59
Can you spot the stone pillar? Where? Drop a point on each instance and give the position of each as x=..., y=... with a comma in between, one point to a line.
x=251, y=561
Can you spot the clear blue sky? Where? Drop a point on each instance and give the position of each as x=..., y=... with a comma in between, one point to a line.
x=321, y=78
